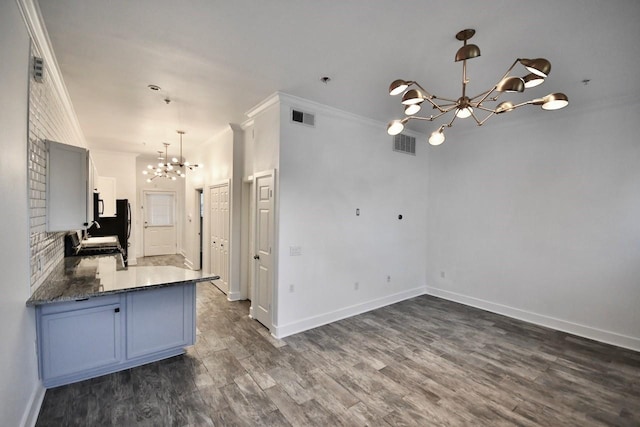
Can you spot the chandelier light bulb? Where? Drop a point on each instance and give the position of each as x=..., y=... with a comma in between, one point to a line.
x=395, y=127
x=463, y=113
x=412, y=109
x=437, y=137
x=397, y=87
x=555, y=101
x=532, y=80
x=413, y=96
x=148, y=179
x=144, y=172
x=539, y=66
x=170, y=167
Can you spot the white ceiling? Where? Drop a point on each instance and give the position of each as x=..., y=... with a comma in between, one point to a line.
x=216, y=59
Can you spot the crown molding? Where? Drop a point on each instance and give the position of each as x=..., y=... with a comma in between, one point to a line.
x=316, y=107
x=40, y=38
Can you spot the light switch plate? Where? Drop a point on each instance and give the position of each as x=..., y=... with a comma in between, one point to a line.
x=295, y=250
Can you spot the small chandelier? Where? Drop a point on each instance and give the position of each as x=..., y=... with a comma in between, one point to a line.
x=466, y=106
x=171, y=169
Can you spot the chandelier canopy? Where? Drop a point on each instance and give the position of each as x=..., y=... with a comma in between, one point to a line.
x=170, y=168
x=465, y=106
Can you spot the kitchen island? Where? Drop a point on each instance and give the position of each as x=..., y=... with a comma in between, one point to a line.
x=95, y=316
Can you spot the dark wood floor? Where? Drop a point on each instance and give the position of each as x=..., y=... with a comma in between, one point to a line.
x=422, y=362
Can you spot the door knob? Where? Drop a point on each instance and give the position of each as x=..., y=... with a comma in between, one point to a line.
x=256, y=257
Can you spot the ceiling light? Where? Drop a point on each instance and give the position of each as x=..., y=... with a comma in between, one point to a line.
x=412, y=109
x=437, y=137
x=465, y=106
x=170, y=168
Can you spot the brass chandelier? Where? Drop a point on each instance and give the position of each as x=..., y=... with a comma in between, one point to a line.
x=466, y=106
x=171, y=169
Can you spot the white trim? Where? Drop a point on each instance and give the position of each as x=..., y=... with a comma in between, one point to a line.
x=632, y=343
x=234, y=296
x=325, y=318
x=38, y=32
x=263, y=105
x=32, y=411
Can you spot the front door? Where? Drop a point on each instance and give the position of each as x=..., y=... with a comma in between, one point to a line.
x=264, y=260
x=159, y=223
x=219, y=234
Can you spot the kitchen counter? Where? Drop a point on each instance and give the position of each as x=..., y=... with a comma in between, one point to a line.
x=94, y=316
x=79, y=278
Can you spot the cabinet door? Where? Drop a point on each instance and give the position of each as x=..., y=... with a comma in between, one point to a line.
x=67, y=185
x=160, y=319
x=80, y=340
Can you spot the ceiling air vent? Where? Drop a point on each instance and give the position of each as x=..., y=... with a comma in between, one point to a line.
x=404, y=144
x=298, y=116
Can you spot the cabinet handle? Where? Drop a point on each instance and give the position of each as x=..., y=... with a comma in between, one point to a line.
x=116, y=310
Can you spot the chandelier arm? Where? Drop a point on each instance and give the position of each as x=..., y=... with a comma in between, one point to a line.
x=451, y=122
x=455, y=101
x=485, y=93
x=431, y=97
x=480, y=123
x=496, y=85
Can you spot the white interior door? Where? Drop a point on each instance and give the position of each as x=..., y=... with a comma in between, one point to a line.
x=264, y=259
x=159, y=223
x=219, y=231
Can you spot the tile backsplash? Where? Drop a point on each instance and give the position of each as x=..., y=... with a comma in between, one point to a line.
x=48, y=120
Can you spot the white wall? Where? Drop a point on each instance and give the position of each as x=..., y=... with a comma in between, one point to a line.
x=20, y=389
x=540, y=220
x=158, y=184
x=326, y=172
x=122, y=167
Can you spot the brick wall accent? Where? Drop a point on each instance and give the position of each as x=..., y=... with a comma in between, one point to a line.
x=48, y=120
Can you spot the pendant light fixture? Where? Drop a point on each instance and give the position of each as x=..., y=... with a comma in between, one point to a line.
x=463, y=107
x=170, y=169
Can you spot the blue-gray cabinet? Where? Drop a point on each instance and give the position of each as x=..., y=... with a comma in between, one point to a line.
x=78, y=340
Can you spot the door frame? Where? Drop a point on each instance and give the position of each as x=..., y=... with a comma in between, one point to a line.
x=144, y=214
x=274, y=250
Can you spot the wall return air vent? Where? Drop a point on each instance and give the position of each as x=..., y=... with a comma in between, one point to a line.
x=404, y=144
x=298, y=116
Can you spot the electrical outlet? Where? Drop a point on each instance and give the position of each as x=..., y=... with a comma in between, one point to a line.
x=291, y=287
x=356, y=286
x=388, y=279
x=295, y=250
x=442, y=274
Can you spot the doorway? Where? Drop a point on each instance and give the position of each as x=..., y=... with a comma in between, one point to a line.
x=159, y=233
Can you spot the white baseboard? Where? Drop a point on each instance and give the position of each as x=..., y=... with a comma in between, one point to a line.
x=323, y=319
x=607, y=337
x=30, y=416
x=188, y=263
x=234, y=296
x=132, y=261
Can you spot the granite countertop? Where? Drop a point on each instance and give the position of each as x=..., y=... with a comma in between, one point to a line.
x=77, y=278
